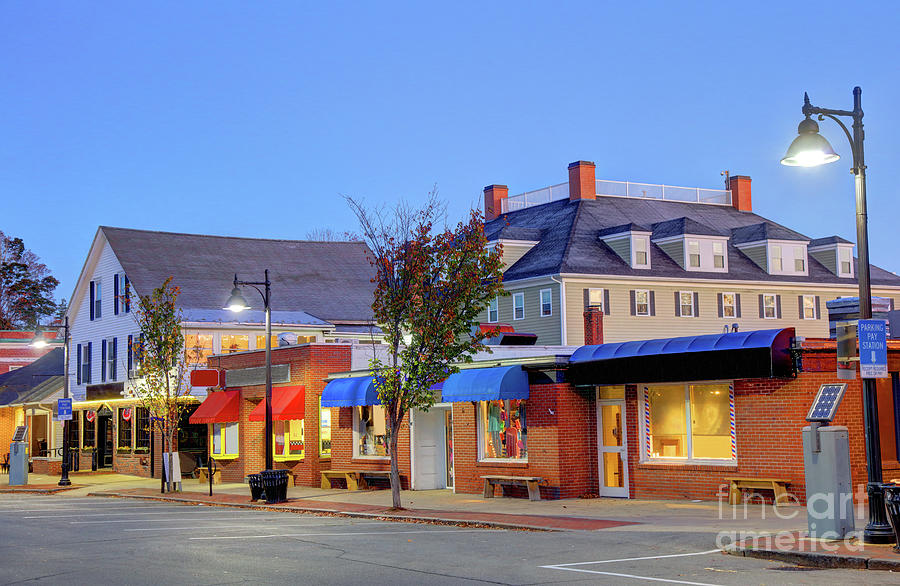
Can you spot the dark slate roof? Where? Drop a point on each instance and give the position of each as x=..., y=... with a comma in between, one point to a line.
x=629, y=227
x=328, y=280
x=515, y=233
x=828, y=240
x=570, y=243
x=19, y=382
x=680, y=227
x=765, y=231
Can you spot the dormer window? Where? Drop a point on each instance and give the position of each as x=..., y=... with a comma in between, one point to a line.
x=641, y=246
x=835, y=253
x=718, y=249
x=787, y=258
x=692, y=245
x=799, y=259
x=845, y=266
x=776, y=259
x=693, y=254
x=630, y=242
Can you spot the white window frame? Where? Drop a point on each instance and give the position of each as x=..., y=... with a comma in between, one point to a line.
x=693, y=250
x=518, y=300
x=799, y=257
x=98, y=299
x=718, y=255
x=640, y=244
x=813, y=307
x=681, y=303
x=776, y=254
x=494, y=309
x=688, y=460
x=549, y=293
x=226, y=429
x=86, y=362
x=355, y=455
x=110, y=364
x=774, y=298
x=602, y=293
x=637, y=312
x=840, y=261
x=733, y=305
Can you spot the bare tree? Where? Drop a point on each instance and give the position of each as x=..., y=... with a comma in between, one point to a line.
x=329, y=235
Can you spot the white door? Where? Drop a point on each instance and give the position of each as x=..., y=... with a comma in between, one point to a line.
x=429, y=471
x=612, y=449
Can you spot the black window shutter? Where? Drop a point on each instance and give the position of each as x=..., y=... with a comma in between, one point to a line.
x=762, y=311
x=800, y=303
x=818, y=313
x=130, y=355
x=652, y=303
x=116, y=294
x=127, y=295
x=103, y=361
x=696, y=304
x=606, y=301
x=737, y=304
x=113, y=375
x=721, y=304
x=677, y=304
x=92, y=301
x=778, y=306
x=78, y=364
x=90, y=362
x=633, y=310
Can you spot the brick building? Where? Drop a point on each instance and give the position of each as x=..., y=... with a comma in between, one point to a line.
x=16, y=350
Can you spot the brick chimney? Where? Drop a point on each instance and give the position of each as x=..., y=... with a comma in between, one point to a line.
x=493, y=196
x=740, y=192
x=593, y=326
x=582, y=180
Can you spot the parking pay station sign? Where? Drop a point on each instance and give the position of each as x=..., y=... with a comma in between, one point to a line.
x=872, y=348
x=64, y=409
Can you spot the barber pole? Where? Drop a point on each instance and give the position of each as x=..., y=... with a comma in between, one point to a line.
x=733, y=433
x=649, y=445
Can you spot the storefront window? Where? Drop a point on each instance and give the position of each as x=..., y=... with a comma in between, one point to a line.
x=197, y=348
x=288, y=439
x=370, y=431
x=502, y=430
x=261, y=342
x=236, y=343
x=689, y=422
x=324, y=430
x=125, y=420
x=88, y=419
x=142, y=429
x=224, y=440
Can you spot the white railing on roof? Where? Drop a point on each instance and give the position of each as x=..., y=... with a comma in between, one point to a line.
x=534, y=198
x=666, y=192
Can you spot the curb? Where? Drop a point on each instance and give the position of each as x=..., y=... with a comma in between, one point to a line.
x=817, y=559
x=336, y=513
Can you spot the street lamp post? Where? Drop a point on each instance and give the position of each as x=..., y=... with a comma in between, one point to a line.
x=40, y=341
x=237, y=303
x=811, y=149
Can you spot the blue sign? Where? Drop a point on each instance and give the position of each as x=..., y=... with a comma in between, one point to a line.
x=64, y=410
x=872, y=348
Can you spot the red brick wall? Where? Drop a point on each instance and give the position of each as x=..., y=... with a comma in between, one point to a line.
x=343, y=449
x=7, y=427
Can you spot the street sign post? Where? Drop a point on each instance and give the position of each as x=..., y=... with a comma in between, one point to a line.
x=64, y=409
x=872, y=348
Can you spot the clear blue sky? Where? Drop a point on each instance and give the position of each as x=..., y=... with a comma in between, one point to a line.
x=251, y=119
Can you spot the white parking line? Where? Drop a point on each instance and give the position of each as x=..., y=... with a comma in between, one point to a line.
x=342, y=534
x=569, y=568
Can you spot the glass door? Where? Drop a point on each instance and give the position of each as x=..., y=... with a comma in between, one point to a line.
x=612, y=450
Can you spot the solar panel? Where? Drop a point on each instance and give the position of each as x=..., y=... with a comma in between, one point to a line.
x=19, y=435
x=826, y=403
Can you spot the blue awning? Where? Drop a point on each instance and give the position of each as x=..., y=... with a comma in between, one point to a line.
x=350, y=392
x=751, y=354
x=486, y=384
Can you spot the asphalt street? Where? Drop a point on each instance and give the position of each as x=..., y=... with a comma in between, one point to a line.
x=53, y=540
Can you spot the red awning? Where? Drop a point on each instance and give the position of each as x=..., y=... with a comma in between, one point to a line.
x=219, y=407
x=287, y=404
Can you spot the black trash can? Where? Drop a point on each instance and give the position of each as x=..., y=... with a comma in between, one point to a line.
x=256, y=487
x=892, y=504
x=275, y=485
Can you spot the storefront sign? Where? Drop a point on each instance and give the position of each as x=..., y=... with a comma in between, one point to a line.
x=64, y=410
x=873, y=348
x=245, y=377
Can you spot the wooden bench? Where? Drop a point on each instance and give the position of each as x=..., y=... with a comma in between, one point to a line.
x=529, y=482
x=355, y=479
x=203, y=475
x=777, y=486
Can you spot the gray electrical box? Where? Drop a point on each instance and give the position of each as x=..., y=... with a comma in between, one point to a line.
x=829, y=492
x=18, y=463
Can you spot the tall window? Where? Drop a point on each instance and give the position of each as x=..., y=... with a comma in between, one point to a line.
x=799, y=259
x=197, y=348
x=74, y=436
x=595, y=299
x=770, y=306
x=261, y=341
x=88, y=425
x=86, y=363
x=142, y=429
x=686, y=303
x=502, y=430
x=641, y=255
x=518, y=306
x=370, y=431
x=238, y=343
x=718, y=249
x=694, y=253
x=729, y=303
x=844, y=261
x=546, y=302
x=110, y=366
x=125, y=420
x=777, y=263
x=494, y=310
x=98, y=305
x=224, y=440
x=324, y=430
x=809, y=306
x=288, y=439
x=689, y=422
x=642, y=302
